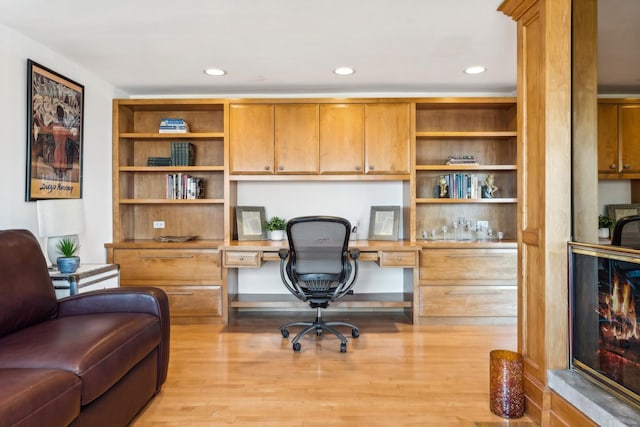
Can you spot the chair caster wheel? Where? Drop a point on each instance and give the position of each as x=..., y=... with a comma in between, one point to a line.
x=355, y=332
x=318, y=332
x=343, y=347
x=296, y=346
x=285, y=333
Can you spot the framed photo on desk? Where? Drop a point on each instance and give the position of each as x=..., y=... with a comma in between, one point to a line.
x=615, y=212
x=250, y=222
x=384, y=222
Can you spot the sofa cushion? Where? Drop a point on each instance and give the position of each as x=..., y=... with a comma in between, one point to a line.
x=26, y=294
x=98, y=348
x=38, y=397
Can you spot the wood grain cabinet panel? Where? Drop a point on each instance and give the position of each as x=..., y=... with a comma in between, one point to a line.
x=296, y=138
x=168, y=267
x=194, y=301
x=251, y=131
x=630, y=139
x=607, y=138
x=618, y=139
x=468, y=301
x=387, y=138
x=341, y=138
x=480, y=266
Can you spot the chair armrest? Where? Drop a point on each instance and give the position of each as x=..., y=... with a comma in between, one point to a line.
x=283, y=253
x=354, y=252
x=137, y=299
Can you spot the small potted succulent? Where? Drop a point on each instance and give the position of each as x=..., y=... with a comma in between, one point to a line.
x=604, y=226
x=276, y=226
x=68, y=262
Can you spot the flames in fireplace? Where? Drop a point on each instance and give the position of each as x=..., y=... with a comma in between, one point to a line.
x=620, y=312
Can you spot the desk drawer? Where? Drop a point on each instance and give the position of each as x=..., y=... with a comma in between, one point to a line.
x=468, y=264
x=398, y=259
x=194, y=301
x=168, y=266
x=468, y=301
x=235, y=259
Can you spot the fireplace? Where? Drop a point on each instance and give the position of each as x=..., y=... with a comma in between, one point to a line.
x=604, y=318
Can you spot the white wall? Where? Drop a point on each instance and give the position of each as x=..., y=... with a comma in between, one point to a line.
x=613, y=192
x=15, y=49
x=351, y=200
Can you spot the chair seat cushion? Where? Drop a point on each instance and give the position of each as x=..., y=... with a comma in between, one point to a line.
x=98, y=348
x=38, y=397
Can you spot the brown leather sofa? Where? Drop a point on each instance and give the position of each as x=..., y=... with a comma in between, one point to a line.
x=92, y=359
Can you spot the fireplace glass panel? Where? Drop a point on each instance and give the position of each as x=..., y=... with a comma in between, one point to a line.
x=605, y=302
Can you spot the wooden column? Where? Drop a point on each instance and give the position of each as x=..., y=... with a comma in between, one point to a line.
x=544, y=190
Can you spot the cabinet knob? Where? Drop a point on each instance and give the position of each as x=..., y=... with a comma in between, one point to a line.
x=358, y=168
x=626, y=166
x=267, y=167
x=612, y=166
x=371, y=167
x=280, y=168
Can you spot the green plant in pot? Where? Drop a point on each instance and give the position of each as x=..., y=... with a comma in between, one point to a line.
x=68, y=262
x=604, y=226
x=276, y=226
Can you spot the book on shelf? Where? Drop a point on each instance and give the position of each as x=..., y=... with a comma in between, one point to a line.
x=466, y=159
x=184, y=186
x=158, y=161
x=173, y=125
x=183, y=154
x=460, y=186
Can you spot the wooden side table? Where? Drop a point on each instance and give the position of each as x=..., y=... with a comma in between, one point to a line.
x=88, y=277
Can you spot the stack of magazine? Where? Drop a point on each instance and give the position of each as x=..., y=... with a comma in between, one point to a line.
x=184, y=186
x=173, y=125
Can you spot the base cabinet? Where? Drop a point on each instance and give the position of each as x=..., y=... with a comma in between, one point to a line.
x=468, y=285
x=192, y=279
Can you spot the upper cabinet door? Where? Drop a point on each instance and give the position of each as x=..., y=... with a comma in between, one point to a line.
x=387, y=138
x=296, y=138
x=341, y=138
x=608, y=138
x=251, y=130
x=629, y=139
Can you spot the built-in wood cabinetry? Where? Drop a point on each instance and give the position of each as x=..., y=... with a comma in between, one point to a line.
x=190, y=272
x=618, y=139
x=404, y=140
x=326, y=138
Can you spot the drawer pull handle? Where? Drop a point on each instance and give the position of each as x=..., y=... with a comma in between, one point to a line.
x=459, y=293
x=179, y=293
x=165, y=257
x=471, y=256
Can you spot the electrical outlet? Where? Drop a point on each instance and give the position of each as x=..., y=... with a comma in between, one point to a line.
x=158, y=224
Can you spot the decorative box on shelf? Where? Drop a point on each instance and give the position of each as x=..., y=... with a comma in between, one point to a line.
x=88, y=277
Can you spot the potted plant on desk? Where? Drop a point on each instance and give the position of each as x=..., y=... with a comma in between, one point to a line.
x=69, y=262
x=276, y=226
x=604, y=226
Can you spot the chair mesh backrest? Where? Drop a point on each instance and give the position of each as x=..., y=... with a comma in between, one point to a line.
x=627, y=232
x=318, y=247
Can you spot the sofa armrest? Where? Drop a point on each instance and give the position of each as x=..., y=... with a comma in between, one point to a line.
x=136, y=299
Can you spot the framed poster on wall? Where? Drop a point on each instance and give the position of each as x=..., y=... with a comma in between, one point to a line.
x=55, y=113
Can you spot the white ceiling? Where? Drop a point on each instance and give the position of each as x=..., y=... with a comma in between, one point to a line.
x=280, y=47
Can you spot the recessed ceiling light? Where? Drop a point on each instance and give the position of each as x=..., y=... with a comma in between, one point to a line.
x=344, y=71
x=476, y=69
x=215, y=72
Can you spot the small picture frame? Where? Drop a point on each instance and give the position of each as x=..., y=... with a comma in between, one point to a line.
x=250, y=222
x=615, y=212
x=384, y=222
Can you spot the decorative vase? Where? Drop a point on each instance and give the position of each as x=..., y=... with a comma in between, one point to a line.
x=506, y=383
x=603, y=233
x=277, y=234
x=68, y=265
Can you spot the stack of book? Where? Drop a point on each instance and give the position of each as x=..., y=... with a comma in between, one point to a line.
x=158, y=161
x=184, y=186
x=183, y=154
x=465, y=159
x=171, y=125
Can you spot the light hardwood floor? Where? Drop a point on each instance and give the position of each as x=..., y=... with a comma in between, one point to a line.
x=394, y=374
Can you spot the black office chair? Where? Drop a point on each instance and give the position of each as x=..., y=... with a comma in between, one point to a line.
x=319, y=268
x=626, y=232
